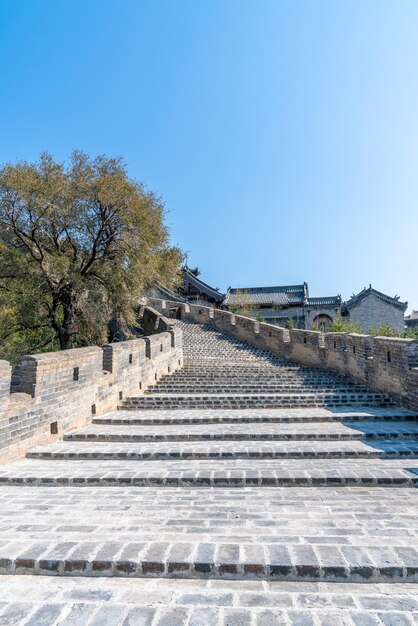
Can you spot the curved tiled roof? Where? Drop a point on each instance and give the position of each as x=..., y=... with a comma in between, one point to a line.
x=281, y=295
x=324, y=301
x=201, y=286
x=166, y=294
x=382, y=296
x=413, y=316
x=244, y=297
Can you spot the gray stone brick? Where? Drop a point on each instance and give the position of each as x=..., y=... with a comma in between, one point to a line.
x=139, y=616
x=265, y=599
x=364, y=619
x=110, y=615
x=224, y=599
x=15, y=613
x=237, y=617
x=77, y=615
x=270, y=618
x=396, y=619
x=177, y=616
x=301, y=618
x=46, y=615
x=204, y=616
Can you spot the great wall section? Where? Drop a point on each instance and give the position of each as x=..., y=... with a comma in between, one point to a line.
x=218, y=471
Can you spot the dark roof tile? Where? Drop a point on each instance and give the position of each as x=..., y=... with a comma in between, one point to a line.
x=280, y=295
x=324, y=301
x=355, y=299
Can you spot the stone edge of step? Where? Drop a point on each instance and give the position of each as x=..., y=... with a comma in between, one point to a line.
x=161, y=456
x=216, y=479
x=207, y=567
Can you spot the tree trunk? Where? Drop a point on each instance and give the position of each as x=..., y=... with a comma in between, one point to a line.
x=64, y=302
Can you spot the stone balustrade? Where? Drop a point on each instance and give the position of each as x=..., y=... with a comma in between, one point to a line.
x=49, y=393
x=387, y=364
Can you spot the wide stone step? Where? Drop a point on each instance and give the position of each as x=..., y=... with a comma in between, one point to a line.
x=254, y=369
x=257, y=373
x=240, y=401
x=235, y=372
x=219, y=432
x=277, y=534
x=250, y=389
x=250, y=432
x=251, y=416
x=225, y=450
x=237, y=473
x=225, y=383
x=217, y=354
x=106, y=601
x=262, y=380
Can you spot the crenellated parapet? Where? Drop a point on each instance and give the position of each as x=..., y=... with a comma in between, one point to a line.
x=49, y=393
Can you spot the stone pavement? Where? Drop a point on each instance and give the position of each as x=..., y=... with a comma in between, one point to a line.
x=259, y=432
x=246, y=416
x=213, y=473
x=224, y=450
x=252, y=515
x=32, y=601
x=288, y=534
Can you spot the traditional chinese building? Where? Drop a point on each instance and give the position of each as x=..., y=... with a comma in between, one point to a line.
x=371, y=308
x=195, y=290
x=411, y=321
x=278, y=304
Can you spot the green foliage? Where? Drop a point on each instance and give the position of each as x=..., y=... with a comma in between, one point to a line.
x=243, y=305
x=290, y=323
x=339, y=325
x=384, y=330
x=352, y=327
x=78, y=244
x=411, y=333
x=260, y=318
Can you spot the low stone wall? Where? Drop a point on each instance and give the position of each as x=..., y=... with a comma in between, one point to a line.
x=385, y=364
x=58, y=391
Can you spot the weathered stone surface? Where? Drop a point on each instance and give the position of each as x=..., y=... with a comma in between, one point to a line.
x=250, y=416
x=252, y=432
x=225, y=450
x=114, y=601
x=311, y=534
x=60, y=390
x=218, y=504
x=384, y=364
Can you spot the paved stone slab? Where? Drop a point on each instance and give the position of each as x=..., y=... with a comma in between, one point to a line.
x=257, y=400
x=223, y=372
x=226, y=386
x=209, y=519
x=212, y=472
x=195, y=432
x=208, y=416
x=284, y=534
x=225, y=449
x=116, y=602
x=251, y=432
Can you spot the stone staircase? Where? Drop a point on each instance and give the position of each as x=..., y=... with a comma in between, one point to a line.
x=239, y=466
x=223, y=372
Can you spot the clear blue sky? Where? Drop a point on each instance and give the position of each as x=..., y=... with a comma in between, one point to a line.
x=282, y=135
